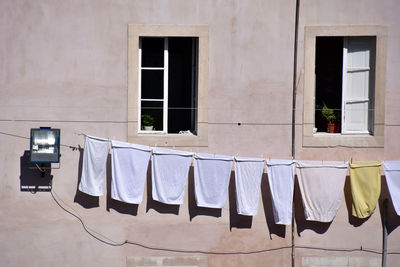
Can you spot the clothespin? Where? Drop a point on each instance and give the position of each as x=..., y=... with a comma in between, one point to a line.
x=79, y=133
x=269, y=158
x=351, y=160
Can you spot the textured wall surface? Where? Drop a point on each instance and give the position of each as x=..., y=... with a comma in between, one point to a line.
x=64, y=64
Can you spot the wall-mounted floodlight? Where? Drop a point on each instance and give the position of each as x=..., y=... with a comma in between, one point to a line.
x=45, y=145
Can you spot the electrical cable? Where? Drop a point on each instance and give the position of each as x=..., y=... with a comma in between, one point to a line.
x=210, y=122
x=293, y=128
x=110, y=242
x=87, y=229
x=103, y=239
x=27, y=138
x=77, y=147
x=78, y=121
x=14, y=135
x=373, y=251
x=40, y=169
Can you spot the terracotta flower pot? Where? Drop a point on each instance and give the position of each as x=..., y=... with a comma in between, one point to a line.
x=331, y=127
x=337, y=127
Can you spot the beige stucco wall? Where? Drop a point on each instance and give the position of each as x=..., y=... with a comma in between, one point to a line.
x=341, y=232
x=64, y=64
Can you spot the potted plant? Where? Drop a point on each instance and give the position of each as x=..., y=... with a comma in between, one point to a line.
x=330, y=117
x=147, y=122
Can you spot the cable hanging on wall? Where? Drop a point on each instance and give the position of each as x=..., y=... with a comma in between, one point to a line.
x=103, y=239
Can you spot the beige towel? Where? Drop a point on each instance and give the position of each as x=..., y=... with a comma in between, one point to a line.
x=321, y=185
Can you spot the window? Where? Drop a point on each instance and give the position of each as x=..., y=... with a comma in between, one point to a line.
x=344, y=82
x=168, y=84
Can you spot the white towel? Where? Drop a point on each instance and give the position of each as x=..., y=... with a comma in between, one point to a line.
x=248, y=174
x=321, y=185
x=281, y=184
x=211, y=179
x=169, y=175
x=129, y=171
x=94, y=165
x=392, y=173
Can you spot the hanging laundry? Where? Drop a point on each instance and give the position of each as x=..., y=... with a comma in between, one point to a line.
x=248, y=174
x=392, y=173
x=281, y=184
x=169, y=175
x=129, y=171
x=211, y=179
x=321, y=186
x=365, y=180
x=94, y=165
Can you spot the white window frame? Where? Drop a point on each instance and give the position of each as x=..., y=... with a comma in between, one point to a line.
x=135, y=31
x=311, y=139
x=165, y=89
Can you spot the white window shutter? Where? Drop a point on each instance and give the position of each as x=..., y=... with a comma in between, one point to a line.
x=356, y=84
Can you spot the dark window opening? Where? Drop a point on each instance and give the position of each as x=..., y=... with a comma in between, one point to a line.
x=344, y=84
x=180, y=92
x=182, y=84
x=328, y=80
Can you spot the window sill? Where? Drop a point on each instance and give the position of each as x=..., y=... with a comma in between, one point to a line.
x=162, y=139
x=343, y=134
x=163, y=133
x=345, y=140
x=157, y=139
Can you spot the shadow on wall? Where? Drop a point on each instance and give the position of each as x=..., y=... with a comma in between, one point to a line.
x=301, y=222
x=392, y=219
x=195, y=210
x=236, y=220
x=277, y=229
x=31, y=178
x=85, y=200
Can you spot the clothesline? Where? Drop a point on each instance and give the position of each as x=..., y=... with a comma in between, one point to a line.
x=321, y=183
x=266, y=159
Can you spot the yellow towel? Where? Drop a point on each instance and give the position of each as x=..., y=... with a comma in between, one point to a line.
x=365, y=180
